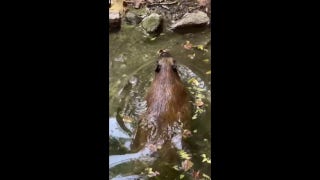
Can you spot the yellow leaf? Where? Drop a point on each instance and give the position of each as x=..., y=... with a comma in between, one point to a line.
x=200, y=47
x=205, y=176
x=127, y=119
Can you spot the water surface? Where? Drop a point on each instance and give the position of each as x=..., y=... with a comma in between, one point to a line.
x=132, y=57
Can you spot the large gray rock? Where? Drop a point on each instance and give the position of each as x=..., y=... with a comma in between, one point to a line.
x=191, y=19
x=152, y=23
x=114, y=20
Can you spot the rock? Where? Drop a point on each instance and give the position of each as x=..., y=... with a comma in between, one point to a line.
x=132, y=18
x=152, y=23
x=191, y=19
x=114, y=20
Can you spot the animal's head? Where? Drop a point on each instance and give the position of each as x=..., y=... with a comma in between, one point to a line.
x=165, y=62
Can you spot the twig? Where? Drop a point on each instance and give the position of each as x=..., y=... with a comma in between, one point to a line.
x=164, y=3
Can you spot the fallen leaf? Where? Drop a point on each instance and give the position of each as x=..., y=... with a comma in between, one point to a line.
x=191, y=56
x=195, y=131
x=186, y=165
x=187, y=45
x=184, y=155
x=208, y=72
x=196, y=174
x=127, y=119
x=176, y=167
x=186, y=133
x=193, y=81
x=200, y=47
x=199, y=103
x=206, y=176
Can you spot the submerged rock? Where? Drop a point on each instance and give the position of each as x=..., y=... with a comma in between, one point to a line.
x=191, y=19
x=152, y=23
x=114, y=20
x=132, y=18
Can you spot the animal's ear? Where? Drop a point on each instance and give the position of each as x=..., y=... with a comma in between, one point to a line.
x=174, y=67
x=158, y=68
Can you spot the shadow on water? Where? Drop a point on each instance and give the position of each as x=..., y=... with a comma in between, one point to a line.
x=132, y=57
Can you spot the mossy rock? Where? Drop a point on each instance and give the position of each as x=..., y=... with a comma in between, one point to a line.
x=132, y=18
x=152, y=23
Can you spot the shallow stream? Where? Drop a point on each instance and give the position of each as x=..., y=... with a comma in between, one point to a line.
x=132, y=58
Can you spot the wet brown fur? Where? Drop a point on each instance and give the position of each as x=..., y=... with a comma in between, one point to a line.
x=167, y=105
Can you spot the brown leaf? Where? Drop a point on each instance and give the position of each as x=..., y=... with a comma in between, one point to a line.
x=188, y=45
x=186, y=165
x=186, y=133
x=196, y=174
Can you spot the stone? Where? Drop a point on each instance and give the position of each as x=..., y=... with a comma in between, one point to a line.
x=152, y=23
x=191, y=19
x=132, y=18
x=114, y=20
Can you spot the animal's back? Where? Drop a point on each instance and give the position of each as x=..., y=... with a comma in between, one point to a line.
x=168, y=108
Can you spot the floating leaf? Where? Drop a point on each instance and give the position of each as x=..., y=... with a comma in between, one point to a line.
x=184, y=155
x=199, y=103
x=150, y=173
x=186, y=165
x=176, y=167
x=195, y=131
x=186, y=133
x=205, y=159
x=196, y=174
x=190, y=80
x=181, y=176
x=127, y=119
x=200, y=47
x=191, y=56
x=187, y=45
x=206, y=176
x=154, y=38
x=193, y=81
x=206, y=60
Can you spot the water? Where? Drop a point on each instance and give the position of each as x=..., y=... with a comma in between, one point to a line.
x=132, y=56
